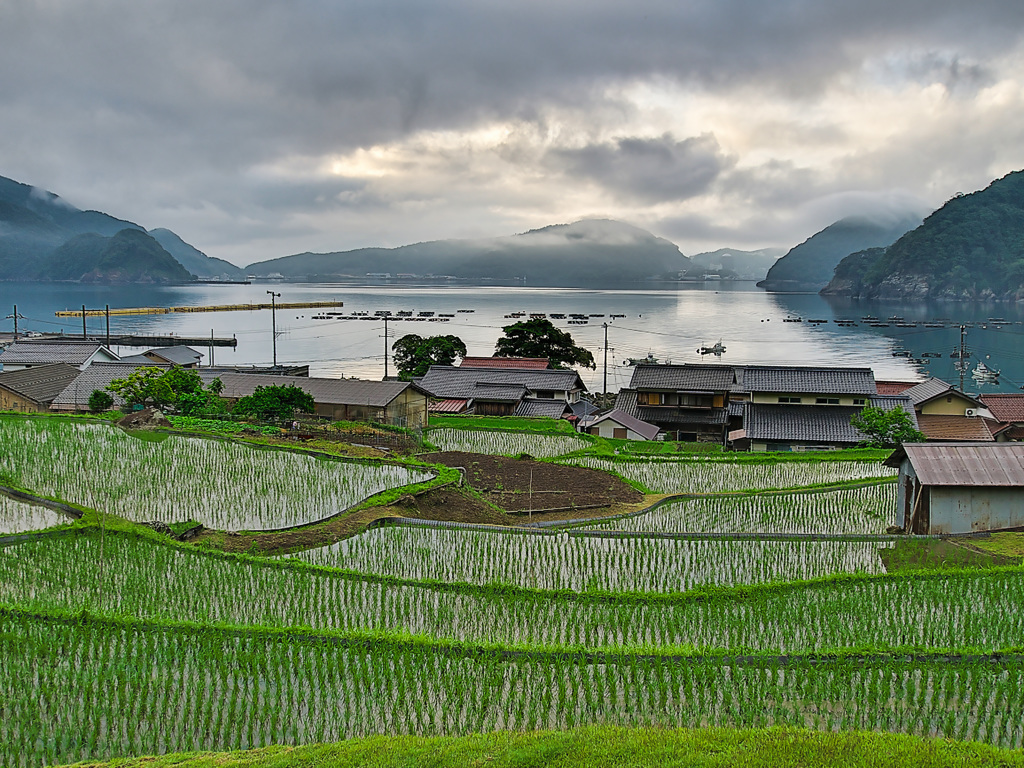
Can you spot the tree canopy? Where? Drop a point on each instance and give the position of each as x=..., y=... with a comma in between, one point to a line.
x=176, y=387
x=886, y=429
x=539, y=337
x=274, y=402
x=415, y=354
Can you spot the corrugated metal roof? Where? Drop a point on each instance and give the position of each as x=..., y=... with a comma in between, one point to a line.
x=968, y=464
x=956, y=428
x=704, y=378
x=1006, y=408
x=447, y=406
x=41, y=383
x=815, y=380
x=328, y=391
x=520, y=363
x=642, y=428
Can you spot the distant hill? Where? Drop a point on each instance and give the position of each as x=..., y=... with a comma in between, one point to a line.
x=746, y=265
x=35, y=223
x=972, y=248
x=130, y=256
x=194, y=260
x=810, y=265
x=588, y=252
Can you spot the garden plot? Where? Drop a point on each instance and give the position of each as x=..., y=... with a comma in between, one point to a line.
x=19, y=516
x=865, y=510
x=561, y=561
x=94, y=690
x=221, y=484
x=121, y=575
x=704, y=475
x=498, y=443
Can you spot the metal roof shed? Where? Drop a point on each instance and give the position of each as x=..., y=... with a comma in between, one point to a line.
x=960, y=487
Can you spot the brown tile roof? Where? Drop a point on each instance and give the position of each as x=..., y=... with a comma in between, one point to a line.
x=447, y=406
x=893, y=387
x=955, y=428
x=519, y=363
x=1006, y=408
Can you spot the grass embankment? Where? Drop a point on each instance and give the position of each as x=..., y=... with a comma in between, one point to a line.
x=609, y=746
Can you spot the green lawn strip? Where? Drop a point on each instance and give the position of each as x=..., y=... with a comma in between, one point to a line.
x=1007, y=544
x=601, y=746
x=545, y=426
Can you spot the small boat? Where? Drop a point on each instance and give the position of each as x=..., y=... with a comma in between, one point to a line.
x=717, y=349
x=930, y=354
x=983, y=373
x=649, y=360
x=868, y=318
x=792, y=319
x=900, y=353
x=467, y=311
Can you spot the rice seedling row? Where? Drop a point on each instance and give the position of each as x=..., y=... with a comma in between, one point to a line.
x=498, y=443
x=119, y=574
x=550, y=560
x=95, y=690
x=19, y=516
x=866, y=509
x=713, y=475
x=222, y=484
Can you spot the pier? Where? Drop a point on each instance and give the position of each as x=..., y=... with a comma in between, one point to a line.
x=132, y=340
x=120, y=311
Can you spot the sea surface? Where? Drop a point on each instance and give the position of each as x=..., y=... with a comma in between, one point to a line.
x=669, y=321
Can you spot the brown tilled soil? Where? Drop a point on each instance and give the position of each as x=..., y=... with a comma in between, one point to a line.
x=496, y=484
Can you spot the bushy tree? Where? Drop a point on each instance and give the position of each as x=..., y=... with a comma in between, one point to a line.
x=415, y=354
x=539, y=337
x=139, y=387
x=274, y=402
x=100, y=401
x=886, y=429
x=158, y=387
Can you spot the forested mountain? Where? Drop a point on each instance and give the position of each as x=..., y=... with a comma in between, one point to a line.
x=971, y=248
x=588, y=252
x=810, y=265
x=35, y=224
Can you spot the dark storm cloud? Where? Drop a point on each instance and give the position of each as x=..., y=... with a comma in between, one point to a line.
x=650, y=170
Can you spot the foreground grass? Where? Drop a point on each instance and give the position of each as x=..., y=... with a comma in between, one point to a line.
x=609, y=746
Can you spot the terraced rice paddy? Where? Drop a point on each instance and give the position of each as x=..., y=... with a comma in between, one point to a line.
x=224, y=485
x=715, y=475
x=498, y=443
x=19, y=516
x=864, y=510
x=566, y=561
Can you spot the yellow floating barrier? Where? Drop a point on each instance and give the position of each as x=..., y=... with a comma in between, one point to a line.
x=206, y=308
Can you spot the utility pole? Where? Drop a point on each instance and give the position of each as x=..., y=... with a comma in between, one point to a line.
x=385, y=347
x=108, y=326
x=83, y=322
x=15, y=317
x=273, y=322
x=605, y=357
x=962, y=362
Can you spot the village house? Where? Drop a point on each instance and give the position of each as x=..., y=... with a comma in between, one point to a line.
x=74, y=398
x=502, y=391
x=619, y=425
x=31, y=390
x=689, y=403
x=949, y=488
x=946, y=414
x=518, y=363
x=180, y=355
x=399, y=403
x=1008, y=413
x=27, y=353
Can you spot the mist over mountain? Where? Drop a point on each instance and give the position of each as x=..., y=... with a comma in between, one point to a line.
x=35, y=225
x=586, y=253
x=732, y=262
x=810, y=265
x=969, y=249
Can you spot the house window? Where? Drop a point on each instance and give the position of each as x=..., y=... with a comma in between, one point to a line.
x=787, y=399
x=859, y=401
x=827, y=400
x=695, y=401
x=650, y=398
x=619, y=433
x=545, y=394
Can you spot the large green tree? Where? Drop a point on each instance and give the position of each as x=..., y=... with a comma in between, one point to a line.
x=415, y=354
x=886, y=429
x=150, y=385
x=274, y=402
x=539, y=337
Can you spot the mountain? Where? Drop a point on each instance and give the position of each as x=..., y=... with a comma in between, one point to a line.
x=746, y=265
x=129, y=256
x=589, y=252
x=194, y=260
x=971, y=248
x=810, y=265
x=35, y=223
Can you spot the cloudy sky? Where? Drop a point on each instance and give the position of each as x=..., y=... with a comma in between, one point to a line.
x=258, y=129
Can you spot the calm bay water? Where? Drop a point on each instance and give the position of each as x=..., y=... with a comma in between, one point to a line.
x=667, y=320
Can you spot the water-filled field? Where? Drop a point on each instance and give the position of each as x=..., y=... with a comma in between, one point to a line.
x=19, y=516
x=222, y=484
x=505, y=443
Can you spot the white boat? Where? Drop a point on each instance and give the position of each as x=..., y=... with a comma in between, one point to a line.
x=983, y=373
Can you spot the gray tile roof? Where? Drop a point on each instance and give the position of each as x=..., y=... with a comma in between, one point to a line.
x=583, y=407
x=927, y=390
x=328, y=391
x=735, y=407
x=499, y=393
x=179, y=355
x=625, y=401
x=821, y=424
x=41, y=383
x=75, y=396
x=642, y=428
x=450, y=382
x=701, y=378
x=714, y=416
x=814, y=380
x=891, y=402
x=553, y=409
x=39, y=352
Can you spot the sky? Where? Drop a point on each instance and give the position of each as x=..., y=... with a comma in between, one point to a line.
x=259, y=129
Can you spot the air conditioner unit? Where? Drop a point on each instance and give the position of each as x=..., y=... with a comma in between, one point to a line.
x=971, y=413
